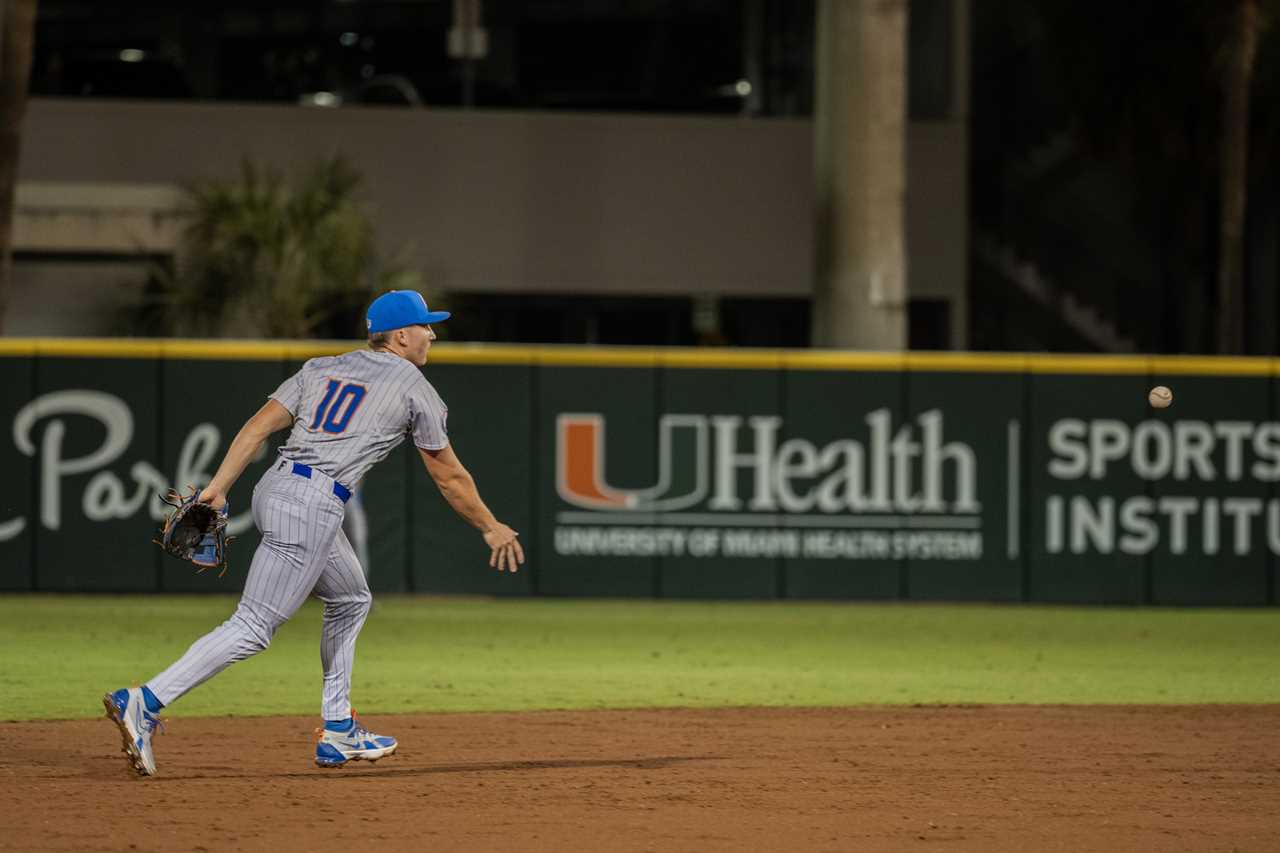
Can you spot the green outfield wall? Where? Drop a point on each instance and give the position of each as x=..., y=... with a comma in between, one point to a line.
x=691, y=473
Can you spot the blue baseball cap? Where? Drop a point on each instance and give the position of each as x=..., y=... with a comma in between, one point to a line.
x=399, y=308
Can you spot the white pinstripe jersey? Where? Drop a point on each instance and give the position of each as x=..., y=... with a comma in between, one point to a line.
x=351, y=410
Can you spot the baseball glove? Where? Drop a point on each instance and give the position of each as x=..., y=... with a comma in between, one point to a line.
x=195, y=532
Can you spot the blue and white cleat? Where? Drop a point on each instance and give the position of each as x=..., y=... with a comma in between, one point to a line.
x=128, y=710
x=335, y=749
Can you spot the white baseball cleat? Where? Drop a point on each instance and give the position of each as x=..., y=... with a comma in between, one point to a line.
x=335, y=749
x=128, y=710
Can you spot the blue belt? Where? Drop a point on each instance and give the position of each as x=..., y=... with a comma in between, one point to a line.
x=343, y=493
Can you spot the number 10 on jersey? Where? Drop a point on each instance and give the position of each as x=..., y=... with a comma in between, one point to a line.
x=338, y=405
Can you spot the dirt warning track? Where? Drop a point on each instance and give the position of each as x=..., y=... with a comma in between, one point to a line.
x=990, y=778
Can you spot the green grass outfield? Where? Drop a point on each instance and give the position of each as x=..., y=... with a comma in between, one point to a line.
x=58, y=654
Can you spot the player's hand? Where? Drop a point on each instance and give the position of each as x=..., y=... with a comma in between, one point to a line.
x=505, y=553
x=213, y=497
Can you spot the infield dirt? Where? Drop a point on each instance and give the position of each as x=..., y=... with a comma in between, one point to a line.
x=989, y=778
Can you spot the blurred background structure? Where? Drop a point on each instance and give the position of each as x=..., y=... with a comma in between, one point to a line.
x=877, y=174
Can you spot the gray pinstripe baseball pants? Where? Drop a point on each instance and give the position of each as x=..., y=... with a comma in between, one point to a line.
x=303, y=550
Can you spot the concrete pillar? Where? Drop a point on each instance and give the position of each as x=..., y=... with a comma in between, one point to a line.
x=860, y=119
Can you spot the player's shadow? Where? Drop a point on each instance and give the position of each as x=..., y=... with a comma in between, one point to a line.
x=389, y=770
x=393, y=767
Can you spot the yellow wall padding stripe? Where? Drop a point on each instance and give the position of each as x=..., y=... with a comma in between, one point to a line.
x=1154, y=365
x=672, y=357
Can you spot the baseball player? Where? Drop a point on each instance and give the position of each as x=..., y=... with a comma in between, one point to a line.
x=346, y=413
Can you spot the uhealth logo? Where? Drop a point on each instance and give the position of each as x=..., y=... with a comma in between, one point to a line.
x=700, y=458
x=580, y=477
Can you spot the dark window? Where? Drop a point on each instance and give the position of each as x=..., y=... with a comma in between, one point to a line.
x=929, y=324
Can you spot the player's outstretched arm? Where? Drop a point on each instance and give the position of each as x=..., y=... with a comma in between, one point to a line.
x=459, y=489
x=272, y=417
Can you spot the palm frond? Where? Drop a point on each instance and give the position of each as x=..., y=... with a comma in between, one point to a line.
x=261, y=255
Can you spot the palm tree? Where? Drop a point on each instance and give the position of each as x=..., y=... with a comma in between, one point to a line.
x=1162, y=89
x=17, y=19
x=860, y=118
x=260, y=257
x=1237, y=80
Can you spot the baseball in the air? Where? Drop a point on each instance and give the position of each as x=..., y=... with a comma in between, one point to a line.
x=1160, y=397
